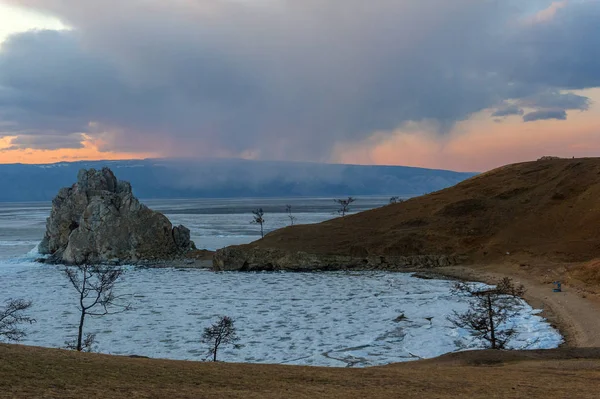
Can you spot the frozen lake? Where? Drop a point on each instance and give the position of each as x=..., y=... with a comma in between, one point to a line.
x=331, y=319
x=213, y=223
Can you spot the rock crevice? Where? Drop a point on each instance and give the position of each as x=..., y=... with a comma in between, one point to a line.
x=99, y=220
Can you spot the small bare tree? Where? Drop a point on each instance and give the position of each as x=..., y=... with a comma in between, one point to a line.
x=288, y=210
x=94, y=285
x=489, y=310
x=395, y=200
x=86, y=346
x=258, y=218
x=344, y=205
x=11, y=317
x=222, y=332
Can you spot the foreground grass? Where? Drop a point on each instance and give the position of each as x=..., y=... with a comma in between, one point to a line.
x=51, y=373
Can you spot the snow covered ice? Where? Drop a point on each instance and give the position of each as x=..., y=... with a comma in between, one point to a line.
x=328, y=319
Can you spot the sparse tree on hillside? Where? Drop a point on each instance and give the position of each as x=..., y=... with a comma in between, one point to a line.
x=94, y=285
x=222, y=332
x=11, y=317
x=86, y=346
x=395, y=199
x=258, y=218
x=344, y=205
x=489, y=310
x=288, y=210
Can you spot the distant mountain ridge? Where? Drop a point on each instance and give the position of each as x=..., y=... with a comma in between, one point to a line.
x=228, y=178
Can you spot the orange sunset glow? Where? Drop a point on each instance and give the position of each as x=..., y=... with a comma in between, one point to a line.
x=89, y=152
x=480, y=144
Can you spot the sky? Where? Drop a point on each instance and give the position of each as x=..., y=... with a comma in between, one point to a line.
x=466, y=85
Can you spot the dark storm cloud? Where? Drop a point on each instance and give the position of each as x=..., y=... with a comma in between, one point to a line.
x=550, y=104
x=48, y=83
x=562, y=52
x=282, y=78
x=555, y=99
x=508, y=110
x=544, y=115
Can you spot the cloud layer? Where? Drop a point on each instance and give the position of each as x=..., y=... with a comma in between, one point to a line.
x=287, y=79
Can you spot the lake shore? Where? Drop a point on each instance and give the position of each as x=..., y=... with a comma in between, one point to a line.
x=574, y=312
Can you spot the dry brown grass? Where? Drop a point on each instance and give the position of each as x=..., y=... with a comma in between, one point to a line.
x=588, y=273
x=542, y=210
x=28, y=372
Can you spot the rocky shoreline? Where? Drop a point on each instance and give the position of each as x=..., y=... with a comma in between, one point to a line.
x=277, y=260
x=248, y=258
x=178, y=263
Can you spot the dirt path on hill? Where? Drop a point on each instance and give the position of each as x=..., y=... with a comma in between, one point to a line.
x=574, y=314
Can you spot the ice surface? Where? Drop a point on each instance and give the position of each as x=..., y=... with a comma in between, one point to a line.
x=330, y=319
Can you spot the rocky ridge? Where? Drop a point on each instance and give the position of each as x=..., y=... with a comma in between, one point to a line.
x=99, y=220
x=244, y=258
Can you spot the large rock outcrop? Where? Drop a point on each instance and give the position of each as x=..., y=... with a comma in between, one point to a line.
x=98, y=220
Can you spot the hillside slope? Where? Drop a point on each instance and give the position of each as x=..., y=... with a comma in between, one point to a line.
x=29, y=372
x=546, y=209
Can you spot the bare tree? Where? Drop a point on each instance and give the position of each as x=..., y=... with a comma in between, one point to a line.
x=11, y=317
x=86, y=346
x=288, y=210
x=344, y=205
x=222, y=332
x=94, y=284
x=489, y=310
x=258, y=218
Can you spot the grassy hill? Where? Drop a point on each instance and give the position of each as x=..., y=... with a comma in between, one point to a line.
x=28, y=372
x=543, y=210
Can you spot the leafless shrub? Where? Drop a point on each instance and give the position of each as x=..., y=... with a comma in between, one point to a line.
x=259, y=219
x=344, y=205
x=86, y=346
x=221, y=333
x=12, y=317
x=288, y=210
x=94, y=285
x=489, y=310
